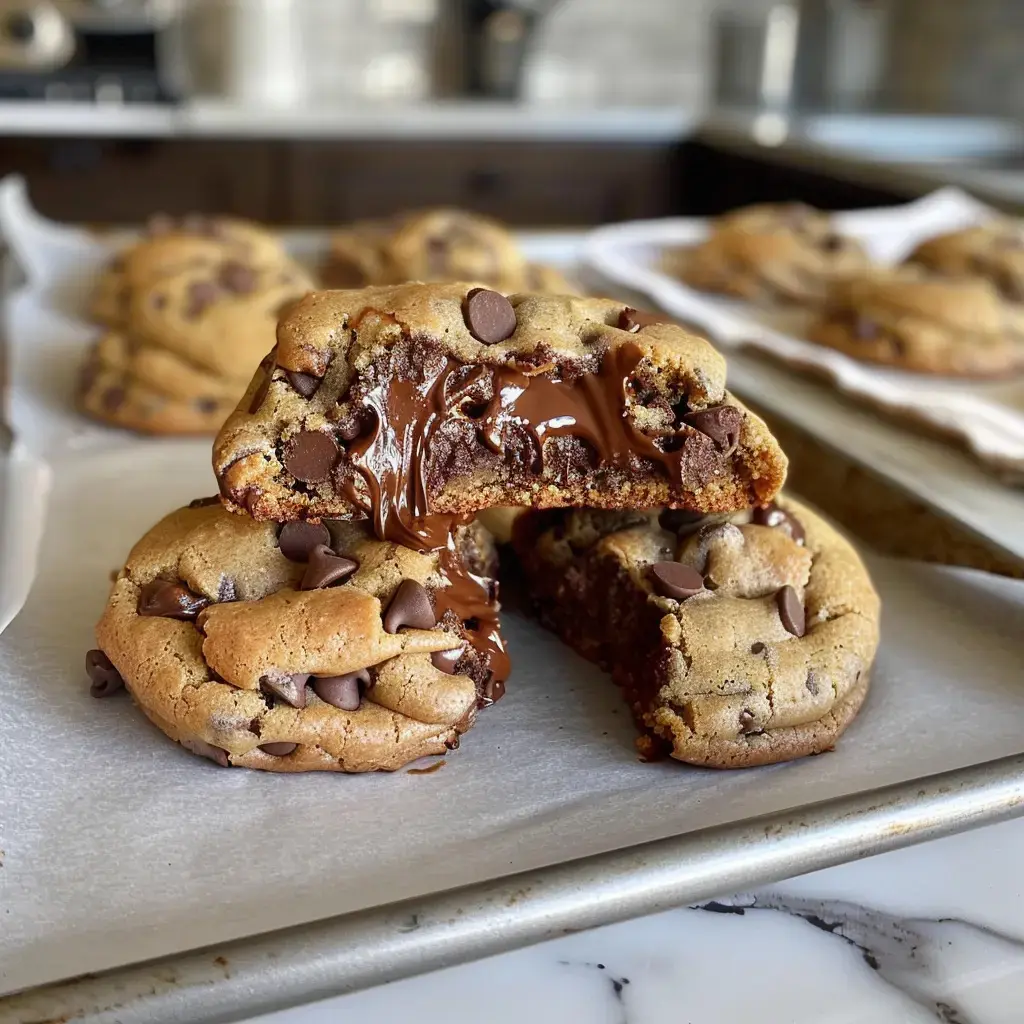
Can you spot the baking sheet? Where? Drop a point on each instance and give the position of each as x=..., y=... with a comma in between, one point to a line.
x=119, y=846
x=987, y=417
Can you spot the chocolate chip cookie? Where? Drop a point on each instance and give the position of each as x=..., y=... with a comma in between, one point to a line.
x=191, y=343
x=169, y=247
x=433, y=400
x=910, y=320
x=736, y=642
x=992, y=251
x=769, y=254
x=152, y=390
x=435, y=245
x=301, y=647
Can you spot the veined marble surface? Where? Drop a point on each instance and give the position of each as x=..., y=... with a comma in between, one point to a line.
x=930, y=933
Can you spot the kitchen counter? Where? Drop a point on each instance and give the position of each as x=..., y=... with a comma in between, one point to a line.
x=453, y=120
x=902, y=154
x=926, y=934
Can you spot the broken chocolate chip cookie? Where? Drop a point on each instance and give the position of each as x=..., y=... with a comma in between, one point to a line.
x=740, y=641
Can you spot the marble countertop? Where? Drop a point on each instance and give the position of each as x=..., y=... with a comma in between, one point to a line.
x=924, y=934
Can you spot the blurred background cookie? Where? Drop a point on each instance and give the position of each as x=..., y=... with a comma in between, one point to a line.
x=191, y=342
x=435, y=245
x=786, y=253
x=992, y=251
x=170, y=246
x=929, y=324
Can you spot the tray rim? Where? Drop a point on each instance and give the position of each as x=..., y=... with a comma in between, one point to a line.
x=282, y=969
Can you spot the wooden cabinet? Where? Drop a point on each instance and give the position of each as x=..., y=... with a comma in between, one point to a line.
x=526, y=183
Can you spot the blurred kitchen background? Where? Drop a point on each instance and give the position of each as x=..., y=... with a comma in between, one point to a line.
x=543, y=112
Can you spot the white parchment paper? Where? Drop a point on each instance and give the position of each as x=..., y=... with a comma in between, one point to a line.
x=118, y=846
x=988, y=417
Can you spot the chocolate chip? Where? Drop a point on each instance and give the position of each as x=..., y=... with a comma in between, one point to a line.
x=757, y=648
x=864, y=328
x=204, y=749
x=343, y=692
x=409, y=607
x=777, y=518
x=106, y=680
x=159, y=301
x=226, y=590
x=833, y=243
x=171, y=600
x=113, y=398
x=310, y=456
x=236, y=277
x=680, y=521
x=791, y=611
x=304, y=383
x=721, y=423
x=325, y=568
x=297, y=540
x=290, y=688
x=747, y=725
x=634, y=320
x=811, y=683
x=490, y=317
x=445, y=661
x=200, y=295
x=278, y=749
x=675, y=580
x=204, y=502
x=207, y=405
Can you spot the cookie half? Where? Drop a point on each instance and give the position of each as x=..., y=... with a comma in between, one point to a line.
x=303, y=647
x=914, y=321
x=736, y=642
x=417, y=400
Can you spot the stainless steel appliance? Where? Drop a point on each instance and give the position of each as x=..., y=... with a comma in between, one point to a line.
x=86, y=50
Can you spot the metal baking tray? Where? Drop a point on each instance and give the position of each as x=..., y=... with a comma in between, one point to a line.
x=258, y=973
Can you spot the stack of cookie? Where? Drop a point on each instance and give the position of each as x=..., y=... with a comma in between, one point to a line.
x=336, y=608
x=955, y=307
x=189, y=312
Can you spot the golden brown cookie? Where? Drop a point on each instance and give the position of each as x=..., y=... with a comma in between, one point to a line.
x=151, y=390
x=736, y=642
x=435, y=245
x=769, y=254
x=445, y=399
x=191, y=344
x=170, y=247
x=906, y=319
x=303, y=647
x=992, y=251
